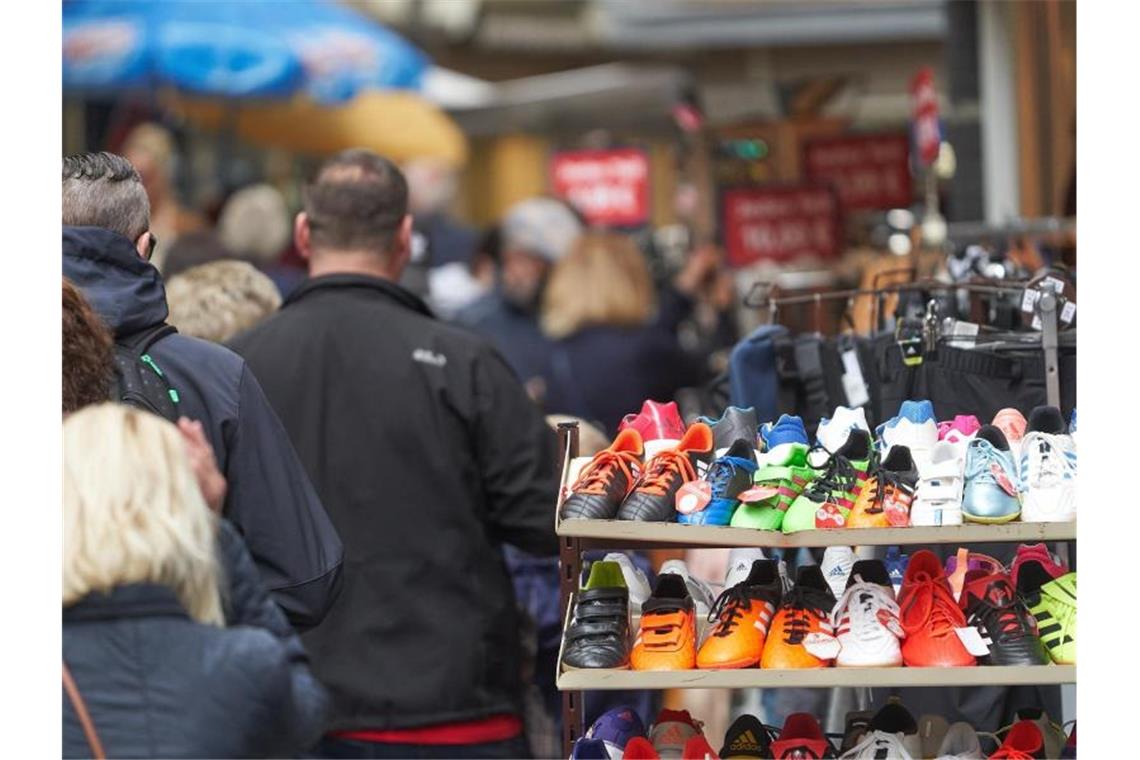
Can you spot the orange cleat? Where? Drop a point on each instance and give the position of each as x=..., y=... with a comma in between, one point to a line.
x=803, y=620
x=605, y=482
x=929, y=615
x=885, y=499
x=742, y=614
x=667, y=639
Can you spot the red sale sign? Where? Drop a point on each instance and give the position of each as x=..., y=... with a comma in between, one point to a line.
x=779, y=223
x=927, y=132
x=869, y=171
x=610, y=187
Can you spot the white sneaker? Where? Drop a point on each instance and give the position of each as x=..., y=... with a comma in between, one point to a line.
x=1048, y=471
x=961, y=743
x=938, y=498
x=698, y=589
x=836, y=566
x=833, y=431
x=635, y=579
x=877, y=744
x=740, y=564
x=920, y=438
x=866, y=621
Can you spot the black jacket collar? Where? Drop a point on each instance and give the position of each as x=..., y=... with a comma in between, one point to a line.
x=400, y=295
x=136, y=600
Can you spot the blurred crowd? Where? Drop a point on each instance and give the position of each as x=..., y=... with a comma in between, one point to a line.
x=309, y=476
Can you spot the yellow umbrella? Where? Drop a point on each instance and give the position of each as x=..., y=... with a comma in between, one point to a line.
x=397, y=124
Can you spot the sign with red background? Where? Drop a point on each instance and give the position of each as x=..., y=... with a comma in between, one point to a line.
x=610, y=187
x=869, y=171
x=924, y=103
x=779, y=223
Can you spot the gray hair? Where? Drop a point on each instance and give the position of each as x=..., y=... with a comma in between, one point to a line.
x=104, y=190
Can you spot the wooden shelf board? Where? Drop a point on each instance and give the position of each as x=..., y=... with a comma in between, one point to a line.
x=752, y=678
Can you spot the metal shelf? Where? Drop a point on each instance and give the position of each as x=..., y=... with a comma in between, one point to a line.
x=754, y=678
x=624, y=533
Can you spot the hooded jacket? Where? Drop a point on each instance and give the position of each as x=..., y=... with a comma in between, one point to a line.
x=269, y=498
x=429, y=456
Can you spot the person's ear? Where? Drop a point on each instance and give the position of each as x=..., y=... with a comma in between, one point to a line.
x=302, y=235
x=142, y=245
x=401, y=251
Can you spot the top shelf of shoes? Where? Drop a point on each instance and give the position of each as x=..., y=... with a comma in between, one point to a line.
x=621, y=534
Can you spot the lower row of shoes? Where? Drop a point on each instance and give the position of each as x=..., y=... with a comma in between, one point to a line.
x=973, y=611
x=891, y=732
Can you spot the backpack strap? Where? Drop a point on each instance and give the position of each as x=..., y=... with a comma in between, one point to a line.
x=141, y=341
x=84, y=716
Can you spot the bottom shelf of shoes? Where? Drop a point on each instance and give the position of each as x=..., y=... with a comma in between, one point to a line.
x=754, y=678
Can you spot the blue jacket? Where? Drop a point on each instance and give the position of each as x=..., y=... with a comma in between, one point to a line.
x=270, y=499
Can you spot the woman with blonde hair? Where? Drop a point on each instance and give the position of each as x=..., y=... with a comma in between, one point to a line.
x=150, y=670
x=610, y=352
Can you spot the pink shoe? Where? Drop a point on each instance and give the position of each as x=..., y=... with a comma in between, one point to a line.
x=1012, y=423
x=657, y=421
x=1035, y=561
x=960, y=430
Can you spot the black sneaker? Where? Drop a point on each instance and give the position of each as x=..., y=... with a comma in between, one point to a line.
x=654, y=496
x=736, y=423
x=746, y=737
x=598, y=634
x=994, y=607
x=606, y=480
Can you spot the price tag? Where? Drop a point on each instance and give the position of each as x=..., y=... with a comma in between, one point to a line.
x=1029, y=300
x=1036, y=325
x=829, y=516
x=898, y=515
x=822, y=645
x=1052, y=282
x=853, y=383
x=757, y=493
x=693, y=496
x=1068, y=311
x=973, y=641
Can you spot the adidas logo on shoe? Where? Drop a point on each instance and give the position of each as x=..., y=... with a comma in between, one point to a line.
x=746, y=742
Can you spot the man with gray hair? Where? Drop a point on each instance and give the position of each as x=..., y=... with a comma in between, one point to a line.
x=107, y=244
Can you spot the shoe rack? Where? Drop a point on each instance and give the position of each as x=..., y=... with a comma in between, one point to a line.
x=578, y=536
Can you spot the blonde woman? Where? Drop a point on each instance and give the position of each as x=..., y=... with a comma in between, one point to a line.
x=610, y=352
x=155, y=670
x=221, y=299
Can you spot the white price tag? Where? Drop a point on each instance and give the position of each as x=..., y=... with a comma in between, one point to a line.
x=1029, y=300
x=1052, y=282
x=854, y=386
x=973, y=641
x=822, y=645
x=1068, y=311
x=1036, y=324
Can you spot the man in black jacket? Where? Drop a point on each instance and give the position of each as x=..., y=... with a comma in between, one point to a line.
x=106, y=246
x=428, y=455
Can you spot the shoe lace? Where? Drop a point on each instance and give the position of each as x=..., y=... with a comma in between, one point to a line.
x=930, y=605
x=1011, y=753
x=596, y=477
x=979, y=464
x=728, y=608
x=882, y=479
x=862, y=602
x=661, y=469
x=838, y=475
x=719, y=475
x=1003, y=614
x=1046, y=463
x=801, y=602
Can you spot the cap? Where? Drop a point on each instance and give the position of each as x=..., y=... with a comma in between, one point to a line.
x=542, y=226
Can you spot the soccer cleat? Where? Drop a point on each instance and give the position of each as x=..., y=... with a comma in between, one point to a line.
x=653, y=496
x=878, y=744
x=896, y=721
x=896, y=567
x=913, y=427
x=727, y=477
x=1023, y=742
x=778, y=482
x=866, y=619
x=615, y=728
x=667, y=638
x=605, y=482
x=1012, y=424
x=960, y=743
x=993, y=607
x=938, y=498
x=1034, y=565
x=957, y=565
x=598, y=633
x=746, y=738
x=635, y=579
x=1048, y=469
x=800, y=739
x=1054, y=606
x=657, y=421
x=804, y=615
x=698, y=748
x=1052, y=736
x=836, y=567
x=699, y=590
x=991, y=491
x=788, y=430
x=590, y=749
x=960, y=430
x=827, y=501
x=672, y=731
x=833, y=432
x=639, y=748
x=734, y=424
x=886, y=498
x=930, y=616
x=742, y=614
x=740, y=564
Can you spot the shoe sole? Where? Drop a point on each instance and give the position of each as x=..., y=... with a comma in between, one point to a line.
x=732, y=664
x=567, y=666
x=990, y=520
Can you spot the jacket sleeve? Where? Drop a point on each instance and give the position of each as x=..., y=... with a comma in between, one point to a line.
x=517, y=454
x=247, y=603
x=273, y=505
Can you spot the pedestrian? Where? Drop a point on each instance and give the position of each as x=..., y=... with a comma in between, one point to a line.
x=216, y=301
x=429, y=456
x=149, y=669
x=608, y=354
x=106, y=245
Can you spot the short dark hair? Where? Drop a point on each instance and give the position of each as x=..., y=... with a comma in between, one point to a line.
x=88, y=353
x=356, y=201
x=104, y=190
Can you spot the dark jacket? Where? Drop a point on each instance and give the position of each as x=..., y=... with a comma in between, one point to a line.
x=270, y=499
x=157, y=684
x=602, y=373
x=428, y=455
x=514, y=334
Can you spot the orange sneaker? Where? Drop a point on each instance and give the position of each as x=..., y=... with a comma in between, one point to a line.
x=885, y=499
x=742, y=614
x=805, y=611
x=929, y=615
x=667, y=639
